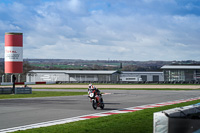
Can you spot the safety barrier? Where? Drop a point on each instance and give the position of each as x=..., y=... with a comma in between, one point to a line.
x=103, y=82
x=23, y=90
x=178, y=120
x=27, y=83
x=18, y=90
x=131, y=82
x=7, y=90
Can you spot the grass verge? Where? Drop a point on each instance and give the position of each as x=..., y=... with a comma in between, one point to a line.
x=40, y=94
x=135, y=122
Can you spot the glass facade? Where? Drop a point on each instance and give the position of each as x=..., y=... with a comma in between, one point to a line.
x=181, y=75
x=197, y=73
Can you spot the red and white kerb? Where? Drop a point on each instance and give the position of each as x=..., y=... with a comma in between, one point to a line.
x=13, y=52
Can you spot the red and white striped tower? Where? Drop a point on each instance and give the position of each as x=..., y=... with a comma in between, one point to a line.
x=13, y=52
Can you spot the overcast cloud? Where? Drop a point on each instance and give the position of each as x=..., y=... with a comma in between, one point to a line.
x=104, y=29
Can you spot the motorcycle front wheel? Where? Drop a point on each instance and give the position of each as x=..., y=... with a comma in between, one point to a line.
x=102, y=104
x=94, y=104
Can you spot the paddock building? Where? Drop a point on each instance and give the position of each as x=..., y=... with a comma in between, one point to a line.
x=170, y=73
x=141, y=76
x=181, y=73
x=92, y=76
x=72, y=76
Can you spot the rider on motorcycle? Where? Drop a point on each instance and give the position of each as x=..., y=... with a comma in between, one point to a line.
x=95, y=97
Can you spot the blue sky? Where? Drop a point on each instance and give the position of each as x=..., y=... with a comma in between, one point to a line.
x=104, y=29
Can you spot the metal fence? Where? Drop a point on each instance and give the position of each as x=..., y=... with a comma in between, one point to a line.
x=132, y=82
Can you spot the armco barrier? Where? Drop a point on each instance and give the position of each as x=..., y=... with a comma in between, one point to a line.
x=103, y=82
x=132, y=82
x=178, y=120
x=27, y=83
x=6, y=83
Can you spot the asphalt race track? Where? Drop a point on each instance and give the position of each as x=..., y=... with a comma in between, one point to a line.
x=19, y=112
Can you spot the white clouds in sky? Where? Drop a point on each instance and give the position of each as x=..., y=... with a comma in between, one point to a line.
x=93, y=29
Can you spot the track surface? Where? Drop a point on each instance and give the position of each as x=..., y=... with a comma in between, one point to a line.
x=19, y=112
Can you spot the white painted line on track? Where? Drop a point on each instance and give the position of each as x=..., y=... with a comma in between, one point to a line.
x=96, y=115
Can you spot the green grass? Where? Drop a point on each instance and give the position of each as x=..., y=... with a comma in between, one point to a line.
x=135, y=122
x=40, y=94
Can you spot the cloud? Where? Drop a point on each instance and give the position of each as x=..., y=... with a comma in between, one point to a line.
x=128, y=30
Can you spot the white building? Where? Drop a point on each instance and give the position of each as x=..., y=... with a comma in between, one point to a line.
x=181, y=72
x=170, y=73
x=72, y=76
x=141, y=76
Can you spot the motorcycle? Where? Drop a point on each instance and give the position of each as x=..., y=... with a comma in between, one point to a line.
x=96, y=100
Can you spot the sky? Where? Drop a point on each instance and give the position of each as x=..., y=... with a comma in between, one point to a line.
x=139, y=30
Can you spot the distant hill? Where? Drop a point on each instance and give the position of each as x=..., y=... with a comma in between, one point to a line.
x=79, y=64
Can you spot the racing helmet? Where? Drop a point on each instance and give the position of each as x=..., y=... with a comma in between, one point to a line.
x=90, y=86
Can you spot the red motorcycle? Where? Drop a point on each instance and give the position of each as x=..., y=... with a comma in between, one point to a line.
x=96, y=100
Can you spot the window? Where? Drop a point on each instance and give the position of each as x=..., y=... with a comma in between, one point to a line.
x=144, y=77
x=174, y=75
x=155, y=78
x=130, y=78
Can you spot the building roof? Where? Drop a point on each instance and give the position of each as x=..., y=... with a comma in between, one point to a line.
x=74, y=71
x=139, y=72
x=181, y=67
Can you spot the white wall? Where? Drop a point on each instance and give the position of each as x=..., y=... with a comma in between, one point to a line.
x=47, y=77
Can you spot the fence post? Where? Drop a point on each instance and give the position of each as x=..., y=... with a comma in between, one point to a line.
x=19, y=78
x=2, y=78
x=11, y=78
